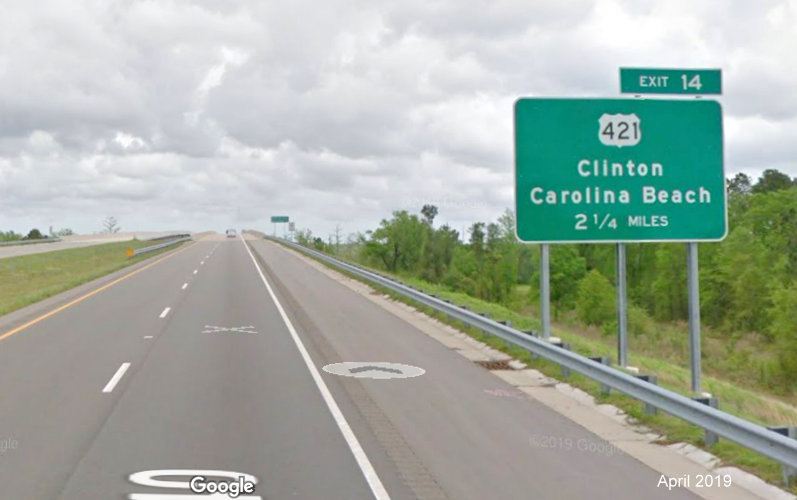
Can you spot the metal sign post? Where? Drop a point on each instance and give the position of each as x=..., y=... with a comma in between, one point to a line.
x=622, y=308
x=545, y=290
x=694, y=313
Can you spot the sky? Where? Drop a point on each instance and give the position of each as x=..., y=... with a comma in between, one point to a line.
x=209, y=114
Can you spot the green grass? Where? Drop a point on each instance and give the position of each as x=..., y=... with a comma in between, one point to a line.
x=735, y=400
x=27, y=279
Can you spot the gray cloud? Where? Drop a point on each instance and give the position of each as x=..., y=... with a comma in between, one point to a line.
x=208, y=113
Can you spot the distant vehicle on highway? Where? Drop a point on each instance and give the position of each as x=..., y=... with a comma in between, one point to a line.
x=231, y=233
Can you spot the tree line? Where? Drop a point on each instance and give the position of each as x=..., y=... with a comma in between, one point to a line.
x=748, y=282
x=33, y=234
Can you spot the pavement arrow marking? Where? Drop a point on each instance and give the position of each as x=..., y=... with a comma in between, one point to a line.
x=374, y=370
x=377, y=368
x=238, y=329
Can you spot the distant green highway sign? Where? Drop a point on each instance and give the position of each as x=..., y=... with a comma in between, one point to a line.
x=279, y=218
x=619, y=170
x=670, y=81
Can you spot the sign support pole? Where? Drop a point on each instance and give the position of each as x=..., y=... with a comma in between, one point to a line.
x=622, y=308
x=694, y=313
x=545, y=290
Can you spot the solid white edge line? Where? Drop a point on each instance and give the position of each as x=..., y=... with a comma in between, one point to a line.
x=377, y=488
x=165, y=312
x=116, y=377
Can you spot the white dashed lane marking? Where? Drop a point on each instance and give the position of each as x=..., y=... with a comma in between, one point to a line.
x=116, y=377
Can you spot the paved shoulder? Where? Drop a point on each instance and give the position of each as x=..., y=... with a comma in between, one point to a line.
x=474, y=444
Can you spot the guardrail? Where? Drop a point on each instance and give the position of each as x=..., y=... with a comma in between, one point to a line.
x=166, y=236
x=139, y=251
x=28, y=242
x=753, y=436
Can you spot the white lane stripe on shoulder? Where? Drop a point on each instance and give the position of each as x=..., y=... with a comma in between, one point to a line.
x=377, y=488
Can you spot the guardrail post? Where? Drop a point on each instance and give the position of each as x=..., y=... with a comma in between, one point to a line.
x=567, y=347
x=789, y=473
x=566, y=370
x=652, y=379
x=487, y=316
x=465, y=324
x=532, y=333
x=450, y=318
x=711, y=437
x=604, y=360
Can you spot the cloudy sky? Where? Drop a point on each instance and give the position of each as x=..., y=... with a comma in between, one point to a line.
x=207, y=114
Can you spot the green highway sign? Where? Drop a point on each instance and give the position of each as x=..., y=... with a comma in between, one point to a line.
x=279, y=218
x=619, y=170
x=670, y=81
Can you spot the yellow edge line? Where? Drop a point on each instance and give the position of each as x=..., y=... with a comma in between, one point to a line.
x=93, y=292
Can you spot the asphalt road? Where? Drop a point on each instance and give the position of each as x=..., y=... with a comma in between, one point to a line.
x=195, y=364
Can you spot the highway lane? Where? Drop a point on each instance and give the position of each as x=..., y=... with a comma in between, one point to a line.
x=239, y=400
x=222, y=385
x=52, y=373
x=474, y=445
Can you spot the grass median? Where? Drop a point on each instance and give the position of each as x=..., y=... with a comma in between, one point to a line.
x=27, y=279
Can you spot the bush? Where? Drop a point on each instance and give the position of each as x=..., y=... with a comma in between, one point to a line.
x=9, y=236
x=609, y=328
x=784, y=331
x=639, y=321
x=457, y=281
x=34, y=234
x=595, y=304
